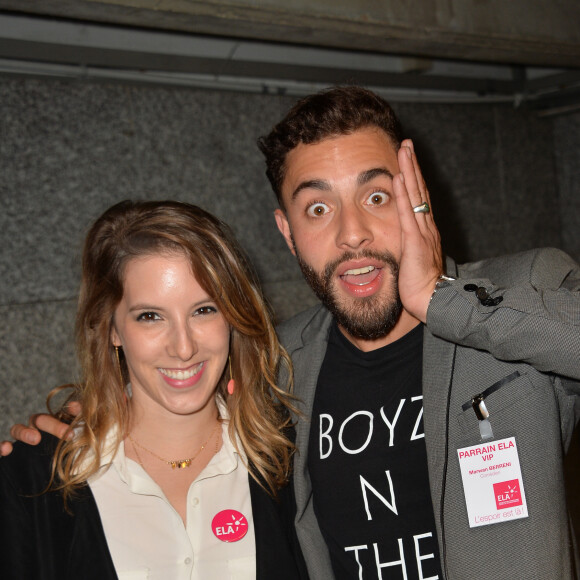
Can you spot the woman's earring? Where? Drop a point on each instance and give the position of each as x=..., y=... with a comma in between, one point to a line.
x=231, y=383
x=119, y=366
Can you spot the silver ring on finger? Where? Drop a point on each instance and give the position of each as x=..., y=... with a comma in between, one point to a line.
x=422, y=208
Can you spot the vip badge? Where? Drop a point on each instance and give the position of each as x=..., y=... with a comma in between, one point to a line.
x=492, y=482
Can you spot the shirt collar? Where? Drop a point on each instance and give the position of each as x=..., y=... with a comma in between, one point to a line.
x=225, y=461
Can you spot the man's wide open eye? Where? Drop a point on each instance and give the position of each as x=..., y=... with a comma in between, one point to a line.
x=377, y=198
x=317, y=209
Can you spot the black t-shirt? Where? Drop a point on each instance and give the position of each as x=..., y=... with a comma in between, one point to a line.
x=368, y=462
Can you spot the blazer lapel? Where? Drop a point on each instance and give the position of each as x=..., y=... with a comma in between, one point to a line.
x=307, y=361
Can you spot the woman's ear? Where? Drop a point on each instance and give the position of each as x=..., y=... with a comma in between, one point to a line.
x=115, y=338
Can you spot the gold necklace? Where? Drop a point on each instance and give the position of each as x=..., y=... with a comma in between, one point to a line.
x=179, y=463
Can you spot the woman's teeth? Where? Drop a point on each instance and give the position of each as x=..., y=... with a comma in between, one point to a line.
x=181, y=375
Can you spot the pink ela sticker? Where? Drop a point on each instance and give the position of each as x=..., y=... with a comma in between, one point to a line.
x=229, y=526
x=507, y=494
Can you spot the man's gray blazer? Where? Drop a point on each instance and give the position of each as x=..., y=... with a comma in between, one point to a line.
x=468, y=347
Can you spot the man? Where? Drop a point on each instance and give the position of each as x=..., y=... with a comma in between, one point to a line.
x=490, y=355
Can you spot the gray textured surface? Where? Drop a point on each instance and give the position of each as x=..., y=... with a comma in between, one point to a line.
x=567, y=153
x=37, y=354
x=515, y=32
x=70, y=150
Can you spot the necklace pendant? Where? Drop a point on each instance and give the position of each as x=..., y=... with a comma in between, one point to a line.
x=177, y=463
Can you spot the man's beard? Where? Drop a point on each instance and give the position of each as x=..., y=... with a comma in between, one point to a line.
x=365, y=318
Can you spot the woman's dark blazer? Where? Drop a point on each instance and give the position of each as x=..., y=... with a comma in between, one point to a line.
x=40, y=539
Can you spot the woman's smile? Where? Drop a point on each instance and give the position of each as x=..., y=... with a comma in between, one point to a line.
x=183, y=378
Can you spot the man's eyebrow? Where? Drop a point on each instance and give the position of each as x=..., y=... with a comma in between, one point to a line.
x=319, y=184
x=322, y=185
x=370, y=174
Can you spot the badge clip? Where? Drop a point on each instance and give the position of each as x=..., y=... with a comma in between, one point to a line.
x=482, y=414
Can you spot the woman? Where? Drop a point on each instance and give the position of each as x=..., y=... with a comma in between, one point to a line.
x=182, y=435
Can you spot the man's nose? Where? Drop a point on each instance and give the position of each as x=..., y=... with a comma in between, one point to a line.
x=354, y=229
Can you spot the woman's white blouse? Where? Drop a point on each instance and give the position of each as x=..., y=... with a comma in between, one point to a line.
x=147, y=537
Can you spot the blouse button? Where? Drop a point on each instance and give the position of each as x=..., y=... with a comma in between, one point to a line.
x=195, y=501
x=187, y=561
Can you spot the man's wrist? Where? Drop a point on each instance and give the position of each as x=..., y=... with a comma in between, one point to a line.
x=442, y=282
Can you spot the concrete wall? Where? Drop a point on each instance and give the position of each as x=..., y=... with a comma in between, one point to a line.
x=502, y=180
x=567, y=153
x=520, y=31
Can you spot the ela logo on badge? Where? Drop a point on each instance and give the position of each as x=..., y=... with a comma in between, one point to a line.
x=492, y=482
x=507, y=494
x=229, y=526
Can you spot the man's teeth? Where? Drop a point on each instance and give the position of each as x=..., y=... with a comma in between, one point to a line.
x=181, y=375
x=357, y=271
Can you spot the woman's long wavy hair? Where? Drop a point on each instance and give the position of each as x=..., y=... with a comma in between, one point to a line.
x=259, y=410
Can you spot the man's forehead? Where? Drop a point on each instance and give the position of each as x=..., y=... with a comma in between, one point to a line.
x=362, y=133
x=363, y=151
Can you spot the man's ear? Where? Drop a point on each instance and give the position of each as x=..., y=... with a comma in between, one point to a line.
x=284, y=227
